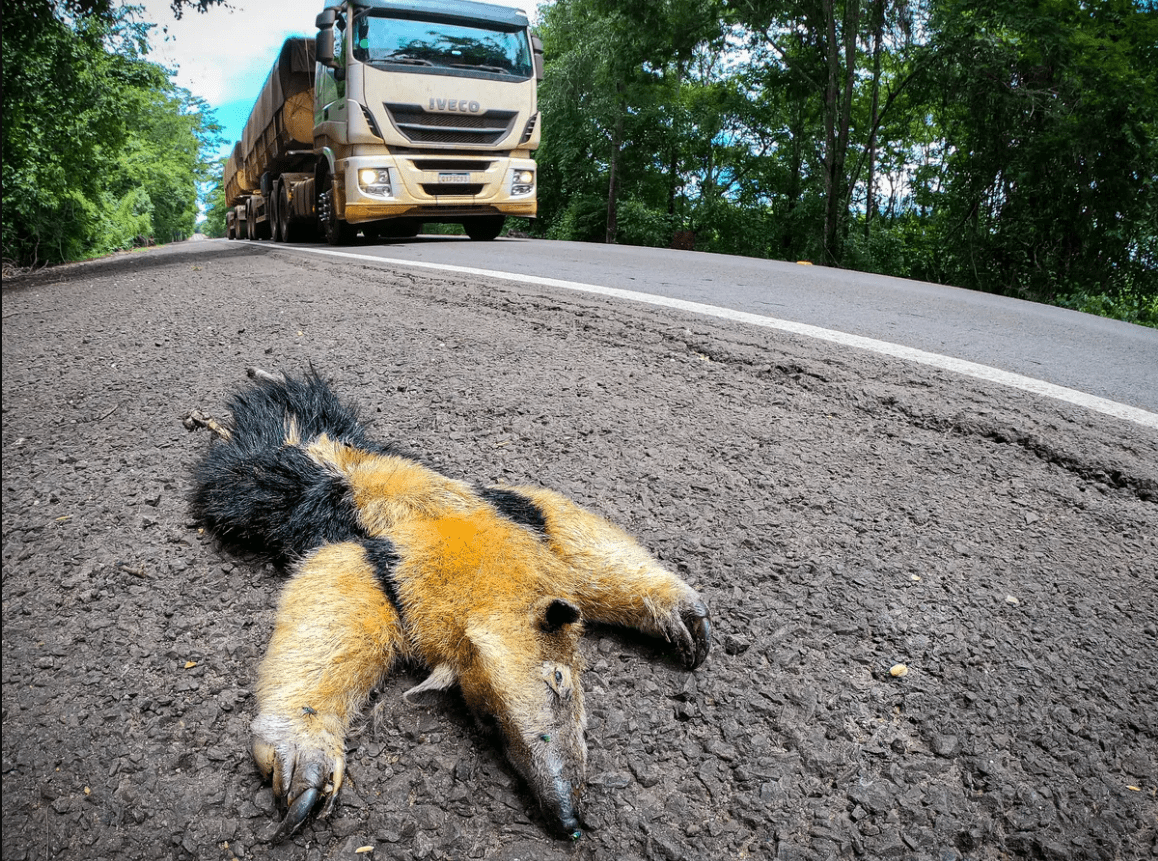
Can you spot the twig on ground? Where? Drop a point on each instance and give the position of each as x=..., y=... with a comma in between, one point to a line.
x=194, y=419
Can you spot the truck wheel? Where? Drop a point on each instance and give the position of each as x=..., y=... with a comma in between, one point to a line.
x=335, y=231
x=273, y=214
x=287, y=230
x=484, y=228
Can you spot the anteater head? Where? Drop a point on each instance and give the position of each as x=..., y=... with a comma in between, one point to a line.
x=522, y=681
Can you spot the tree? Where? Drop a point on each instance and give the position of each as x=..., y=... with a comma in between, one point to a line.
x=1049, y=110
x=614, y=116
x=214, y=197
x=100, y=151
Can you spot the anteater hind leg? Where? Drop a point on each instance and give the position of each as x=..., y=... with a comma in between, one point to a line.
x=614, y=580
x=337, y=633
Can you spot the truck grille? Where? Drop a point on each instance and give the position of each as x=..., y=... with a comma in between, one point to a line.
x=421, y=127
x=454, y=209
x=444, y=189
x=456, y=165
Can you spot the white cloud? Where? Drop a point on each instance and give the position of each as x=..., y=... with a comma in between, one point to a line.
x=224, y=54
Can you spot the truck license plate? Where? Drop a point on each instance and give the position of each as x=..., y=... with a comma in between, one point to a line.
x=454, y=177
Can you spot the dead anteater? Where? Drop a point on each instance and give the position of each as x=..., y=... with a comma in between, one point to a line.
x=391, y=561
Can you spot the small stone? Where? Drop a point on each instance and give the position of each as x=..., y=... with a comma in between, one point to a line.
x=733, y=645
x=945, y=744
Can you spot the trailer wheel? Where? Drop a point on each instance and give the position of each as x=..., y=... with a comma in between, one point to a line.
x=285, y=232
x=484, y=228
x=251, y=230
x=273, y=214
x=335, y=231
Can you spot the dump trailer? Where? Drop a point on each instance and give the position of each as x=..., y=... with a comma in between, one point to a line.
x=397, y=113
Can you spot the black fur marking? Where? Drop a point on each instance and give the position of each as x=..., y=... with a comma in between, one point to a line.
x=559, y=613
x=260, y=497
x=381, y=554
x=514, y=506
x=259, y=413
x=275, y=504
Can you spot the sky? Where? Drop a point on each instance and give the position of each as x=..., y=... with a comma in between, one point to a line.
x=224, y=55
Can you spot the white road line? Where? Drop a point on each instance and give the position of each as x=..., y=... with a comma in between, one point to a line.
x=934, y=360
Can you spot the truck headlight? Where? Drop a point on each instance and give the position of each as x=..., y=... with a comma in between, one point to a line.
x=522, y=182
x=375, y=181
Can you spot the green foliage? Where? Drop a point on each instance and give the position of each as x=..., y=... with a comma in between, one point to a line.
x=615, y=113
x=1049, y=190
x=1133, y=306
x=640, y=224
x=583, y=219
x=1004, y=147
x=214, y=198
x=100, y=150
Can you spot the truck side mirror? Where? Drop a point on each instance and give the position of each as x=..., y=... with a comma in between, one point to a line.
x=324, y=44
x=537, y=49
x=324, y=47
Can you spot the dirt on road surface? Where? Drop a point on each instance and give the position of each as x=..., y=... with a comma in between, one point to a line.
x=844, y=514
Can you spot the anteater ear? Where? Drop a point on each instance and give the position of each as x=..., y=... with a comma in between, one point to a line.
x=441, y=678
x=559, y=613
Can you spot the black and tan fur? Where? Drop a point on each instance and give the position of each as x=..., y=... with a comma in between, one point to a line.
x=392, y=561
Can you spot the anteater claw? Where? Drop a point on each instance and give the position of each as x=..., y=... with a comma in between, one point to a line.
x=299, y=812
x=306, y=777
x=696, y=636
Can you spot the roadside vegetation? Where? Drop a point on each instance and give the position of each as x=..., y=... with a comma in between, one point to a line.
x=101, y=150
x=215, y=206
x=1006, y=147
x=1010, y=148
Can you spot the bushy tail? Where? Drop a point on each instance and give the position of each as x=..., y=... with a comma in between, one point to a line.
x=258, y=492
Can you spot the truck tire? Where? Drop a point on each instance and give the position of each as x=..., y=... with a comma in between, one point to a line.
x=334, y=230
x=484, y=228
x=273, y=213
x=285, y=228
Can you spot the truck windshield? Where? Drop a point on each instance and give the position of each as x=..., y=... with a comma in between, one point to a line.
x=441, y=48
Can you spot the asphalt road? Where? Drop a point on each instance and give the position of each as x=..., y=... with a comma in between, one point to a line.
x=1106, y=358
x=933, y=598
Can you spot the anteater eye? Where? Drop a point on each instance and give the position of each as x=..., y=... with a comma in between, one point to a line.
x=558, y=677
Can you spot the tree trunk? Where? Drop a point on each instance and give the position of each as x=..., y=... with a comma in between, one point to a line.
x=613, y=170
x=836, y=208
x=673, y=176
x=830, y=96
x=837, y=204
x=874, y=118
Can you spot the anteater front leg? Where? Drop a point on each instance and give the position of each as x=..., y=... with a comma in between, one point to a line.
x=614, y=580
x=337, y=633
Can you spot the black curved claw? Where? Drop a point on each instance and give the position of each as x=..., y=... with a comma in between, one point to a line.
x=299, y=812
x=698, y=624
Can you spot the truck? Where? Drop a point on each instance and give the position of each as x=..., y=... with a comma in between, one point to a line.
x=397, y=113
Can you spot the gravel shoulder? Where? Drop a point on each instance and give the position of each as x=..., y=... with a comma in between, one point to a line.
x=842, y=513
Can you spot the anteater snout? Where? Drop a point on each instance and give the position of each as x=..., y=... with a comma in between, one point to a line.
x=563, y=806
